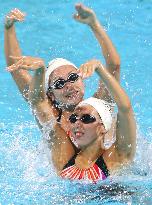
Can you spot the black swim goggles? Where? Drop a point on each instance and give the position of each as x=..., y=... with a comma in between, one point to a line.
x=60, y=83
x=86, y=118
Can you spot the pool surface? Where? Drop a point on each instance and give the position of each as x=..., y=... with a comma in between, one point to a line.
x=26, y=176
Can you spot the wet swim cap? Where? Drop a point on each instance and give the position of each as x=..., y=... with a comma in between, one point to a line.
x=103, y=109
x=55, y=63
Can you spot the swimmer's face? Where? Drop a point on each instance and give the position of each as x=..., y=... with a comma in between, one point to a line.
x=67, y=86
x=84, y=124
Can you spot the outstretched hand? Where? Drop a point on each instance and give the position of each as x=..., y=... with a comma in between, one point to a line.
x=84, y=14
x=26, y=63
x=14, y=16
x=86, y=70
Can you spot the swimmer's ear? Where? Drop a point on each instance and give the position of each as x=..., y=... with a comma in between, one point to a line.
x=100, y=130
x=101, y=133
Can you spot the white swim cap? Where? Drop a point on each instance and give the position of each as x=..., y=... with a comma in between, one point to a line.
x=103, y=109
x=53, y=64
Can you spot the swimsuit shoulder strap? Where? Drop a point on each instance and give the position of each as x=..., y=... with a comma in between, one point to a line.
x=102, y=165
x=70, y=162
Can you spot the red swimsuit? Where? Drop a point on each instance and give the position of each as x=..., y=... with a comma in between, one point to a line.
x=98, y=171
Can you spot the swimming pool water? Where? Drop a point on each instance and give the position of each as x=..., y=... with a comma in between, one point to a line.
x=26, y=177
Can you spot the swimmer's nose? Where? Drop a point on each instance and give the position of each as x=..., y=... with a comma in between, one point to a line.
x=68, y=85
x=79, y=123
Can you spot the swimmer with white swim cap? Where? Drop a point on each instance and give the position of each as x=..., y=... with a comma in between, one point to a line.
x=91, y=122
x=62, y=81
x=91, y=117
x=65, y=88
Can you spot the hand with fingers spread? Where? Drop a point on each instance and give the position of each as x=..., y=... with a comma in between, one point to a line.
x=26, y=63
x=86, y=70
x=14, y=16
x=84, y=14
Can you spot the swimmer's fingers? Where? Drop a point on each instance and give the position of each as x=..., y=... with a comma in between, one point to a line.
x=19, y=13
x=77, y=17
x=15, y=66
x=81, y=71
x=89, y=71
x=34, y=65
x=86, y=70
x=26, y=67
x=83, y=10
x=14, y=16
x=26, y=63
x=84, y=14
x=18, y=66
x=14, y=19
x=18, y=16
x=17, y=57
x=32, y=62
x=91, y=67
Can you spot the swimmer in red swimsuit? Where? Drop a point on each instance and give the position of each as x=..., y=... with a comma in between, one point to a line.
x=91, y=121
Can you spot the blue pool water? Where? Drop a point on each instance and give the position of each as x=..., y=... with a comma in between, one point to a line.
x=26, y=177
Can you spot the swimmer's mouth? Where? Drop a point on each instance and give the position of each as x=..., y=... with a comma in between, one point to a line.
x=78, y=134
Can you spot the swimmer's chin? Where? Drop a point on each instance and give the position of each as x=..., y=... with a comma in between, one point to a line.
x=73, y=101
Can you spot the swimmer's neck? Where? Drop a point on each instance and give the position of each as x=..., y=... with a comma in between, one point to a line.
x=96, y=143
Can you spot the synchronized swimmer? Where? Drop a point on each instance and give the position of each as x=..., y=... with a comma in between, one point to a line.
x=57, y=94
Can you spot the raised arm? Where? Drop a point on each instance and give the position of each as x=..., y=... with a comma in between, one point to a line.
x=21, y=77
x=126, y=125
x=36, y=95
x=87, y=16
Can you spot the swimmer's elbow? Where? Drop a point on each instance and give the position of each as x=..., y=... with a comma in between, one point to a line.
x=126, y=106
x=131, y=155
x=115, y=62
